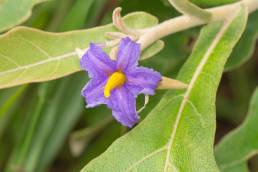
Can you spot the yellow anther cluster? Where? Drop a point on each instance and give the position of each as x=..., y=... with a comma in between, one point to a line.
x=117, y=79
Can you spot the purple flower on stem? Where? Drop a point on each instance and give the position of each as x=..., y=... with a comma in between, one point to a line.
x=117, y=83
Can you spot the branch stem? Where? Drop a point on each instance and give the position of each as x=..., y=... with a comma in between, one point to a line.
x=185, y=22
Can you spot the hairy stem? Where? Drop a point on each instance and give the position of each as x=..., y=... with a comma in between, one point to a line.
x=185, y=22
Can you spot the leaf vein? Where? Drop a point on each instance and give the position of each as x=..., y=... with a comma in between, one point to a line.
x=19, y=76
x=33, y=44
x=8, y=58
x=197, y=112
x=61, y=57
x=157, y=151
x=145, y=158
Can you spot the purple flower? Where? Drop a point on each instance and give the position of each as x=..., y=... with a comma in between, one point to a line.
x=117, y=83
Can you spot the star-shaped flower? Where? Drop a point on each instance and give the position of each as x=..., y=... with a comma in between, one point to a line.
x=117, y=83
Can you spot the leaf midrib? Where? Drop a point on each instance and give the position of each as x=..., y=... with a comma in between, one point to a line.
x=190, y=87
x=185, y=100
x=56, y=58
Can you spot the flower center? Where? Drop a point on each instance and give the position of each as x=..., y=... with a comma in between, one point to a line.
x=117, y=79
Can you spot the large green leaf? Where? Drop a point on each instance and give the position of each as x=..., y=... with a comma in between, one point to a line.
x=11, y=15
x=246, y=45
x=178, y=134
x=241, y=144
x=29, y=55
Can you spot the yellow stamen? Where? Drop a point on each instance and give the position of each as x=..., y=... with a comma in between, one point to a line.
x=117, y=79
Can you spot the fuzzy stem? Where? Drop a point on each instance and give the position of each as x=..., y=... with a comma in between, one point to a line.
x=185, y=22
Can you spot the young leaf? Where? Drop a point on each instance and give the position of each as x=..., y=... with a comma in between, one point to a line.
x=212, y=3
x=11, y=16
x=178, y=134
x=246, y=45
x=241, y=144
x=188, y=8
x=29, y=55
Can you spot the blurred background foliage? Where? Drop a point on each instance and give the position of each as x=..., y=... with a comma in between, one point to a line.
x=46, y=127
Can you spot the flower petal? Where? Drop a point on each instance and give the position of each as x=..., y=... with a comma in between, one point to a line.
x=97, y=62
x=123, y=105
x=142, y=80
x=94, y=92
x=128, y=54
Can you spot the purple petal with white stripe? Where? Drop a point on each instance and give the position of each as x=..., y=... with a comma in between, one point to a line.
x=128, y=54
x=142, y=80
x=97, y=63
x=93, y=92
x=123, y=105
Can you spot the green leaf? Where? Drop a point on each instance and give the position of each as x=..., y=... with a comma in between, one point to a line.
x=42, y=15
x=240, y=144
x=9, y=100
x=239, y=168
x=69, y=109
x=26, y=136
x=212, y=3
x=54, y=112
x=246, y=45
x=154, y=49
x=95, y=13
x=178, y=134
x=41, y=56
x=78, y=14
x=12, y=16
x=188, y=8
x=59, y=13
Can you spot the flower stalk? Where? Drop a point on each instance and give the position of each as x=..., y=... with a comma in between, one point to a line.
x=168, y=83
